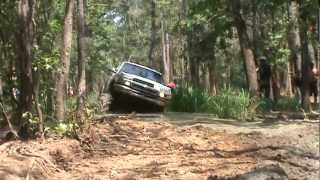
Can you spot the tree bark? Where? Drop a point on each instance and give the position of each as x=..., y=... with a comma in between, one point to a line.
x=37, y=102
x=165, y=54
x=168, y=56
x=82, y=59
x=288, y=80
x=24, y=42
x=275, y=80
x=1, y=74
x=306, y=68
x=153, y=34
x=212, y=77
x=246, y=48
x=294, y=38
x=63, y=73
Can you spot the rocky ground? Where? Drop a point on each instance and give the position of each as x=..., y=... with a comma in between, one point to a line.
x=130, y=147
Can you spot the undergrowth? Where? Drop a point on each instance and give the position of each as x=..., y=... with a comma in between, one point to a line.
x=286, y=104
x=229, y=103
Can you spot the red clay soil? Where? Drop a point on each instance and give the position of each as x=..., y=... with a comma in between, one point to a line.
x=131, y=149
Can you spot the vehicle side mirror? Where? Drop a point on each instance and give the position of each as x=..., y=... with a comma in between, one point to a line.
x=113, y=70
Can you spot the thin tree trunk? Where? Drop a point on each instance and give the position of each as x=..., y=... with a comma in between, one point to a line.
x=288, y=79
x=62, y=75
x=168, y=56
x=82, y=45
x=275, y=80
x=1, y=71
x=37, y=102
x=246, y=48
x=212, y=77
x=153, y=33
x=165, y=53
x=194, y=71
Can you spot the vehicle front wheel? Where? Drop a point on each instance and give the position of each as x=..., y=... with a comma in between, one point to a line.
x=158, y=109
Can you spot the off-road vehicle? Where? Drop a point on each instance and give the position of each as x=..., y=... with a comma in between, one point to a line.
x=131, y=80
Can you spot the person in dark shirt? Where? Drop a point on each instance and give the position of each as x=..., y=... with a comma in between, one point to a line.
x=314, y=83
x=265, y=77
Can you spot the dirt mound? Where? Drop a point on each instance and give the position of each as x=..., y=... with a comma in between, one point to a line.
x=131, y=149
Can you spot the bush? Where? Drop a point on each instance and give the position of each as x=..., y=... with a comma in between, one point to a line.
x=283, y=104
x=287, y=104
x=230, y=103
x=187, y=99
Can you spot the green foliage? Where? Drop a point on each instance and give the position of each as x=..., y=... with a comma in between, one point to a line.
x=265, y=105
x=230, y=103
x=287, y=104
x=61, y=129
x=188, y=99
x=93, y=102
x=283, y=104
x=31, y=121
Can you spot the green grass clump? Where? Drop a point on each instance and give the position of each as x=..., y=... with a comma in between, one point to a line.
x=229, y=103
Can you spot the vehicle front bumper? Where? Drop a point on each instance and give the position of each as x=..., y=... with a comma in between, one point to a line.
x=126, y=90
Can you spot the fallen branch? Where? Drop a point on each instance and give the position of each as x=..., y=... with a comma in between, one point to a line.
x=6, y=117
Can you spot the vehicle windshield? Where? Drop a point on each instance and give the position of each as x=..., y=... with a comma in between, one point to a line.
x=142, y=72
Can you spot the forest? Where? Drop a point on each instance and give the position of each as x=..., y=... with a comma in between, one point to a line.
x=234, y=61
x=258, y=54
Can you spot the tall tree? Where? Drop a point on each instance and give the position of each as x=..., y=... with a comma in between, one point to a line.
x=82, y=59
x=246, y=48
x=63, y=73
x=294, y=38
x=25, y=38
x=153, y=33
x=166, y=53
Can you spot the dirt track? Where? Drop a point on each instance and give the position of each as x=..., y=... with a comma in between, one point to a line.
x=126, y=148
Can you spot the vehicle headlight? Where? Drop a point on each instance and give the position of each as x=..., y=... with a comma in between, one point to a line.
x=165, y=92
x=127, y=83
x=162, y=94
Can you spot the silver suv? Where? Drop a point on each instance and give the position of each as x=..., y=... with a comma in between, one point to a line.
x=139, y=82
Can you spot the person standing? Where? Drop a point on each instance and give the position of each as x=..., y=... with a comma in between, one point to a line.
x=265, y=77
x=314, y=83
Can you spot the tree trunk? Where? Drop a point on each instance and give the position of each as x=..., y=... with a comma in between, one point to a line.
x=63, y=73
x=294, y=38
x=246, y=48
x=194, y=71
x=25, y=41
x=168, y=56
x=153, y=33
x=275, y=80
x=37, y=102
x=83, y=47
x=212, y=77
x=306, y=68
x=288, y=81
x=1, y=74
x=165, y=54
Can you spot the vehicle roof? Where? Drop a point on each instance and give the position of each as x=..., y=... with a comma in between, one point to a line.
x=127, y=62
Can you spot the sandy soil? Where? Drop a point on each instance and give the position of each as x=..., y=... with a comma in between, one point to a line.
x=126, y=148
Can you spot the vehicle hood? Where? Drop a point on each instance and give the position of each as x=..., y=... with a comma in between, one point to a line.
x=157, y=86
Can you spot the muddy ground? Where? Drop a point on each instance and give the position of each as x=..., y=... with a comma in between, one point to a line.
x=168, y=147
